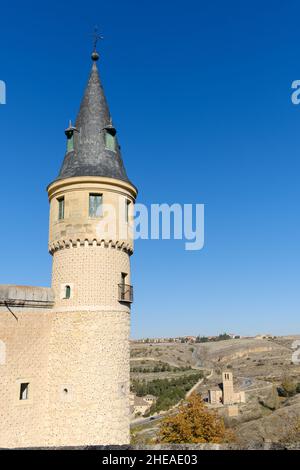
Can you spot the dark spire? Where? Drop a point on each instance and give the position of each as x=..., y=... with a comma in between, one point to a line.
x=93, y=148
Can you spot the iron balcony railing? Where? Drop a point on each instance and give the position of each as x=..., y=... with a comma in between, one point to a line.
x=125, y=293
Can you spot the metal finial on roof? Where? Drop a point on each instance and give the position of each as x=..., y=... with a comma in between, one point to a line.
x=97, y=37
x=70, y=130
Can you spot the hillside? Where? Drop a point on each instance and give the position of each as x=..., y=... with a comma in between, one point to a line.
x=259, y=367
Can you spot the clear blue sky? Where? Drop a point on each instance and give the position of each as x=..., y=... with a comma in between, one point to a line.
x=200, y=94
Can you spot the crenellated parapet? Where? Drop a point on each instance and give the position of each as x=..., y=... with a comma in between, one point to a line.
x=109, y=244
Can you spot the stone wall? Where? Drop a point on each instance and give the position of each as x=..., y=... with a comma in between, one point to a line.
x=26, y=335
x=89, y=378
x=94, y=273
x=77, y=367
x=74, y=355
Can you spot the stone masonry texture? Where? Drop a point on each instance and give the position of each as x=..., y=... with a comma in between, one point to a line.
x=73, y=352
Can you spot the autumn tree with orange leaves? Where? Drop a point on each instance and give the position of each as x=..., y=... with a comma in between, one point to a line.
x=194, y=424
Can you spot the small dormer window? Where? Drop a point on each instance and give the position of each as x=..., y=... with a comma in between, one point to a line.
x=70, y=137
x=110, y=138
x=70, y=143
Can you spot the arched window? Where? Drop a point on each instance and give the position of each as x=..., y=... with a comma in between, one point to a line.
x=67, y=292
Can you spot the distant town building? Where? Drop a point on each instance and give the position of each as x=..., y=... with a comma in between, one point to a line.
x=265, y=336
x=190, y=339
x=149, y=398
x=140, y=405
x=179, y=339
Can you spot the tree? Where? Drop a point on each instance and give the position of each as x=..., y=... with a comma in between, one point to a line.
x=194, y=423
x=201, y=339
x=223, y=337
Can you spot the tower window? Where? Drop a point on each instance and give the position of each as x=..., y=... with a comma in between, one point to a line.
x=122, y=286
x=95, y=205
x=70, y=143
x=110, y=141
x=24, y=389
x=127, y=204
x=61, y=208
x=67, y=292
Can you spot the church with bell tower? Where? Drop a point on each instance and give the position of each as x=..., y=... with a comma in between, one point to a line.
x=64, y=349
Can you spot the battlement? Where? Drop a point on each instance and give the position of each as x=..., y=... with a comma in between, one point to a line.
x=61, y=244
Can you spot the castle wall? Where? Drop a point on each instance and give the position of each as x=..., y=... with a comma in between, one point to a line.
x=89, y=378
x=76, y=361
x=25, y=334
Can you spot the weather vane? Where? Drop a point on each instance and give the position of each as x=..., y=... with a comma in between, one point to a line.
x=97, y=37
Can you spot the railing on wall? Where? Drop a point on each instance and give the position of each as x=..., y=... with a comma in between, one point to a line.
x=125, y=293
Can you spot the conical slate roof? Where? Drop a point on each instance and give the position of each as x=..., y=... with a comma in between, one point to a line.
x=89, y=156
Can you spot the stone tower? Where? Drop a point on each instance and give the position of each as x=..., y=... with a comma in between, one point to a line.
x=90, y=239
x=228, y=392
x=64, y=350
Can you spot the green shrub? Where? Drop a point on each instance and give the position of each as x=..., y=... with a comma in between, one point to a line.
x=168, y=391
